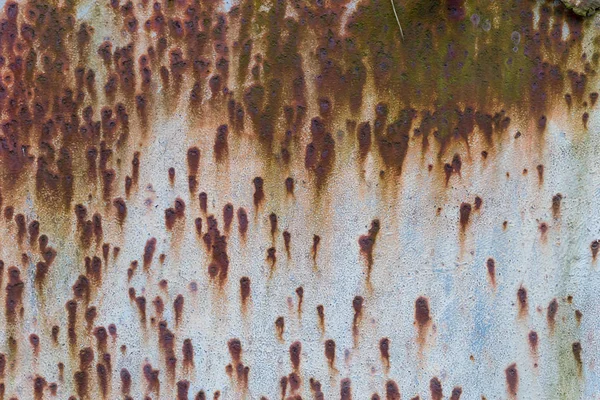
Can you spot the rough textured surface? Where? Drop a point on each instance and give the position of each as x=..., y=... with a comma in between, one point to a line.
x=583, y=7
x=283, y=200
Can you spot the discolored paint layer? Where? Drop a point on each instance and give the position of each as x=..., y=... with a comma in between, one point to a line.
x=286, y=200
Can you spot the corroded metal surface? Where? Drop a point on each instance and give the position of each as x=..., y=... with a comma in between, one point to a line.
x=284, y=199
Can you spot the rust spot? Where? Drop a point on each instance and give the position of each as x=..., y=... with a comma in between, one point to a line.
x=357, y=304
x=321, y=316
x=102, y=375
x=242, y=221
x=384, y=351
x=287, y=237
x=244, y=289
x=125, y=381
x=193, y=161
x=259, y=193
x=188, y=353
x=283, y=383
x=149, y=249
x=465, y=214
x=522, y=301
x=435, y=387
x=39, y=384
x=151, y=376
x=300, y=294
x=576, y=347
x=392, y=392
x=178, y=308
x=271, y=256
x=556, y=200
x=367, y=242
x=422, y=318
x=280, y=327
x=512, y=379
x=491, y=269
x=533, y=341
x=540, y=171
x=273, y=222
x=551, y=314
x=171, y=173
x=227, y=216
x=203, y=199
x=330, y=352
x=295, y=354
x=14, y=294
x=345, y=389
x=456, y=393
x=289, y=185
x=594, y=247
x=183, y=388
x=315, y=246
x=478, y=202
x=578, y=316
x=221, y=147
x=235, y=349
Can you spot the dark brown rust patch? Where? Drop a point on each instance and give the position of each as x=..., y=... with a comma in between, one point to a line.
x=576, y=347
x=422, y=319
x=367, y=242
x=532, y=337
x=259, y=193
x=125, y=381
x=330, y=352
x=315, y=246
x=556, y=200
x=392, y=392
x=188, y=353
x=465, y=214
x=435, y=387
x=14, y=294
x=227, y=216
x=203, y=199
x=384, y=351
x=149, y=249
x=345, y=389
x=242, y=221
x=289, y=186
x=300, y=294
x=295, y=355
x=178, y=308
x=522, y=301
x=551, y=314
x=491, y=269
x=244, y=289
x=280, y=327
x=357, y=304
x=456, y=393
x=512, y=379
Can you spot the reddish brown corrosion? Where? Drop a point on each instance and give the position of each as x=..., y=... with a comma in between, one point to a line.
x=422, y=317
x=280, y=327
x=532, y=337
x=456, y=393
x=491, y=269
x=512, y=379
x=367, y=242
x=295, y=354
x=74, y=113
x=576, y=347
x=345, y=389
x=435, y=387
x=384, y=350
x=551, y=314
x=330, y=352
x=392, y=392
x=522, y=301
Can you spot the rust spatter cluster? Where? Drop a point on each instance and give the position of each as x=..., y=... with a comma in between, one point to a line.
x=91, y=97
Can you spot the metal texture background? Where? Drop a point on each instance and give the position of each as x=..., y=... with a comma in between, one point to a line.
x=286, y=200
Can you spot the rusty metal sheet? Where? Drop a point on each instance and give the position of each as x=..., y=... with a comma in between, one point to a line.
x=292, y=199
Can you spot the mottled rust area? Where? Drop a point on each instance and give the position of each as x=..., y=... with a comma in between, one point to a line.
x=299, y=199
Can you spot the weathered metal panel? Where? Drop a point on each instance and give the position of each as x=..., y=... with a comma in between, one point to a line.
x=285, y=199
